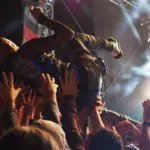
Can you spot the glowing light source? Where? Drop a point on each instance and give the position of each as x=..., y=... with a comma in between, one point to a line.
x=130, y=20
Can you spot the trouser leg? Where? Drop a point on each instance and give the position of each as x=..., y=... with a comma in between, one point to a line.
x=92, y=42
x=90, y=84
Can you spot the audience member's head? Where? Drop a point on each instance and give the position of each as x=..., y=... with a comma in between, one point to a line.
x=54, y=130
x=106, y=139
x=29, y=138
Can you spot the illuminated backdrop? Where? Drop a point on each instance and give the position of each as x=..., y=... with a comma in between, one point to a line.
x=128, y=80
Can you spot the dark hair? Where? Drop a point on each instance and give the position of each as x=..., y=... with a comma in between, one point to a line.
x=28, y=138
x=106, y=139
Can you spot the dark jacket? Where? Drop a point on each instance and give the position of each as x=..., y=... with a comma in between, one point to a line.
x=71, y=124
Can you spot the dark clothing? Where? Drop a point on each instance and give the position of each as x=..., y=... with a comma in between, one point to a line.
x=9, y=119
x=82, y=44
x=90, y=68
x=71, y=124
x=33, y=49
x=51, y=112
x=21, y=63
x=90, y=83
x=69, y=121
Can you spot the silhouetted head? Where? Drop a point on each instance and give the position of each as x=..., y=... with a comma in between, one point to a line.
x=106, y=139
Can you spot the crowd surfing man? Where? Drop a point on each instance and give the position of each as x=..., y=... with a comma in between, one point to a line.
x=78, y=51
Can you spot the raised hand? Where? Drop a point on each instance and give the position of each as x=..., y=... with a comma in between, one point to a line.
x=69, y=85
x=8, y=92
x=29, y=106
x=29, y=102
x=19, y=99
x=98, y=106
x=146, y=113
x=49, y=88
x=36, y=12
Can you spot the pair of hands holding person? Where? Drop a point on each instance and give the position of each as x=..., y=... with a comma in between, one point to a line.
x=9, y=92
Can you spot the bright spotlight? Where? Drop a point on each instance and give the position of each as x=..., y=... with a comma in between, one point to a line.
x=148, y=40
x=136, y=15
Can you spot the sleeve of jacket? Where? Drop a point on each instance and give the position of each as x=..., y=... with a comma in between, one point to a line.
x=71, y=124
x=115, y=117
x=9, y=119
x=51, y=112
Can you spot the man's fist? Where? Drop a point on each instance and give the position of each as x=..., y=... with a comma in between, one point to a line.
x=36, y=12
x=146, y=113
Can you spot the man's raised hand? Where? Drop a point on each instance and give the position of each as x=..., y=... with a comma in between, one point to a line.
x=49, y=87
x=69, y=85
x=146, y=113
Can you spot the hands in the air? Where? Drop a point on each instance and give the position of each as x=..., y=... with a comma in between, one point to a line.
x=146, y=113
x=49, y=88
x=8, y=92
x=69, y=85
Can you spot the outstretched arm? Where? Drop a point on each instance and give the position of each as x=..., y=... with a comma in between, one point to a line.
x=34, y=48
x=69, y=112
x=145, y=137
x=115, y=118
x=96, y=119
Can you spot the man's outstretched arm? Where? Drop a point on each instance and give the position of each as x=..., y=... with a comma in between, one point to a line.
x=35, y=47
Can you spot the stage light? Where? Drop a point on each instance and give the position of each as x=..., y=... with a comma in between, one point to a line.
x=129, y=19
x=135, y=15
x=143, y=70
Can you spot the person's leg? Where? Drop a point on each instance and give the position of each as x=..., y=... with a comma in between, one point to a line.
x=90, y=84
x=92, y=42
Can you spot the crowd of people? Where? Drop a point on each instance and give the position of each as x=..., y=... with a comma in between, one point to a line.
x=61, y=108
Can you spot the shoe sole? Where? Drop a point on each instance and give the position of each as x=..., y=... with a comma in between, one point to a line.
x=120, y=54
x=121, y=51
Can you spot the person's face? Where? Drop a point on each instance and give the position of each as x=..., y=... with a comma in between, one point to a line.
x=7, y=48
x=12, y=46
